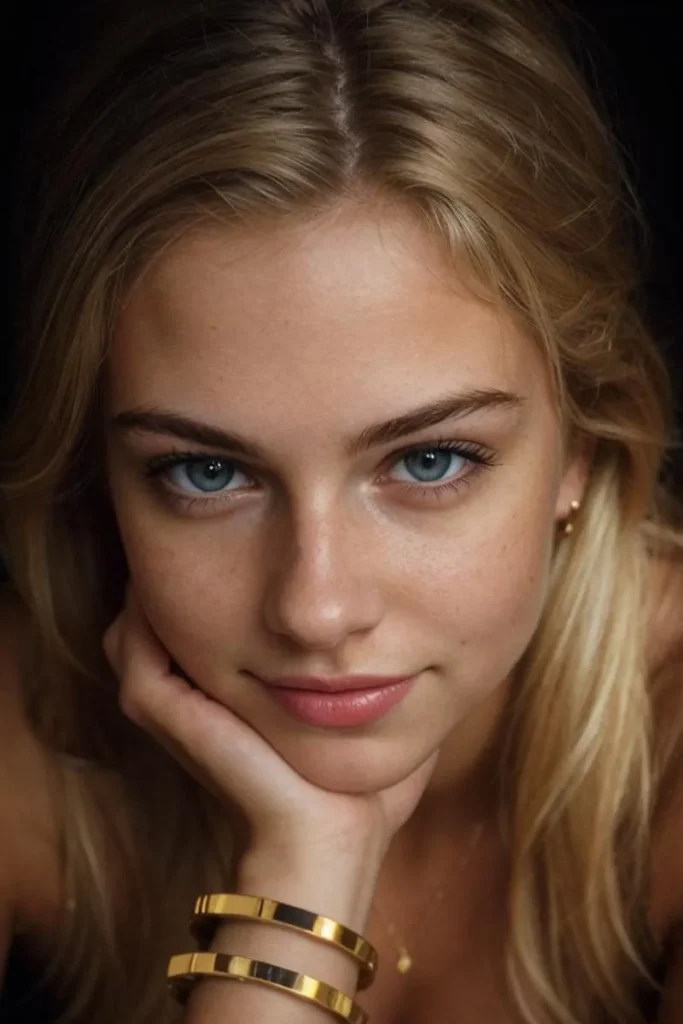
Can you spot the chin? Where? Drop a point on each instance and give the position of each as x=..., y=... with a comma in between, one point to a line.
x=357, y=765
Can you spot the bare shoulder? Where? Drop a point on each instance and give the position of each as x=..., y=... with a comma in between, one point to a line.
x=666, y=660
x=28, y=815
x=667, y=700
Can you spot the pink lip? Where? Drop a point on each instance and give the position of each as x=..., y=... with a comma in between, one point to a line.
x=340, y=709
x=333, y=684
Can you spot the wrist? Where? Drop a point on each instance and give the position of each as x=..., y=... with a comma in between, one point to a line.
x=341, y=887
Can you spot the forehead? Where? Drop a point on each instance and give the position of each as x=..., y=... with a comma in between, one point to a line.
x=356, y=306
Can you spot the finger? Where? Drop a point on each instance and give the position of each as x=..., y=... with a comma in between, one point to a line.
x=111, y=642
x=214, y=737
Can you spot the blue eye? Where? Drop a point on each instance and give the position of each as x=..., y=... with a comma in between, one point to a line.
x=204, y=475
x=430, y=464
x=211, y=475
x=188, y=478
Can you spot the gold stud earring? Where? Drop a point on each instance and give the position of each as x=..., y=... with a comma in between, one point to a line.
x=568, y=527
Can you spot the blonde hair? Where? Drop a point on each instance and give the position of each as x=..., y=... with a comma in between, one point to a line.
x=470, y=114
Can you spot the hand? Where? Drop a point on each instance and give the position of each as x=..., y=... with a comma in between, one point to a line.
x=226, y=755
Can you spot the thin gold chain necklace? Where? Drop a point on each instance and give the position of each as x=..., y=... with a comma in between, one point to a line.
x=404, y=960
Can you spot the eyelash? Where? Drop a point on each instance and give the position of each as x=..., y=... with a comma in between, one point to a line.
x=480, y=457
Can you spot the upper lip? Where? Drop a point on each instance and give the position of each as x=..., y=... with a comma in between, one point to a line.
x=334, y=684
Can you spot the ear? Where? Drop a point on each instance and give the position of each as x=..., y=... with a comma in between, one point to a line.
x=579, y=460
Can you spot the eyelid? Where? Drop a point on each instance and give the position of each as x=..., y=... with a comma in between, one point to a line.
x=471, y=449
x=443, y=443
x=479, y=455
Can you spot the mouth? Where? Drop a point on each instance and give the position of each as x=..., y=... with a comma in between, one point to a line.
x=345, y=708
x=334, y=684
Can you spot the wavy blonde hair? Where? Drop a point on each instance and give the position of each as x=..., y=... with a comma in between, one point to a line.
x=470, y=114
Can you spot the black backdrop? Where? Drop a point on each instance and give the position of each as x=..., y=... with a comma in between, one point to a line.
x=631, y=52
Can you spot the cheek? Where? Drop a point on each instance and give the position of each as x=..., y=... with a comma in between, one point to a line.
x=197, y=604
x=485, y=600
x=470, y=599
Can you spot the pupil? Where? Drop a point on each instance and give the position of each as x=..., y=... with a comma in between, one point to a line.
x=433, y=463
x=210, y=475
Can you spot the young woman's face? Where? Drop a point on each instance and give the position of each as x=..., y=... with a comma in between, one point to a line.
x=328, y=546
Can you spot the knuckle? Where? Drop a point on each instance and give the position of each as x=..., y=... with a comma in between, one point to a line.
x=130, y=704
x=111, y=644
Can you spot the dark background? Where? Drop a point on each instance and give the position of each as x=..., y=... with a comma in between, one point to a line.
x=630, y=51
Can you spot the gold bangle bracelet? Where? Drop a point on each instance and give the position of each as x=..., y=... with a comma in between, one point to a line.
x=209, y=910
x=186, y=968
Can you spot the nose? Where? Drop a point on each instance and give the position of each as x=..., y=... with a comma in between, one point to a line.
x=321, y=587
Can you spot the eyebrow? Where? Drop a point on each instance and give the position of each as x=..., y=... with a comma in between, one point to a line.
x=452, y=406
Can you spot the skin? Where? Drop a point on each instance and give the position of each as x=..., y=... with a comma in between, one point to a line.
x=316, y=561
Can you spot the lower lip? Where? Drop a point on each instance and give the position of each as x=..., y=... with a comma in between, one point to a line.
x=355, y=707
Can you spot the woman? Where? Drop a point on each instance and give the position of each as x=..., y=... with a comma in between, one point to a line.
x=333, y=369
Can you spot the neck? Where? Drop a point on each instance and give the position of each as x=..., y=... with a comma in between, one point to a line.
x=464, y=789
